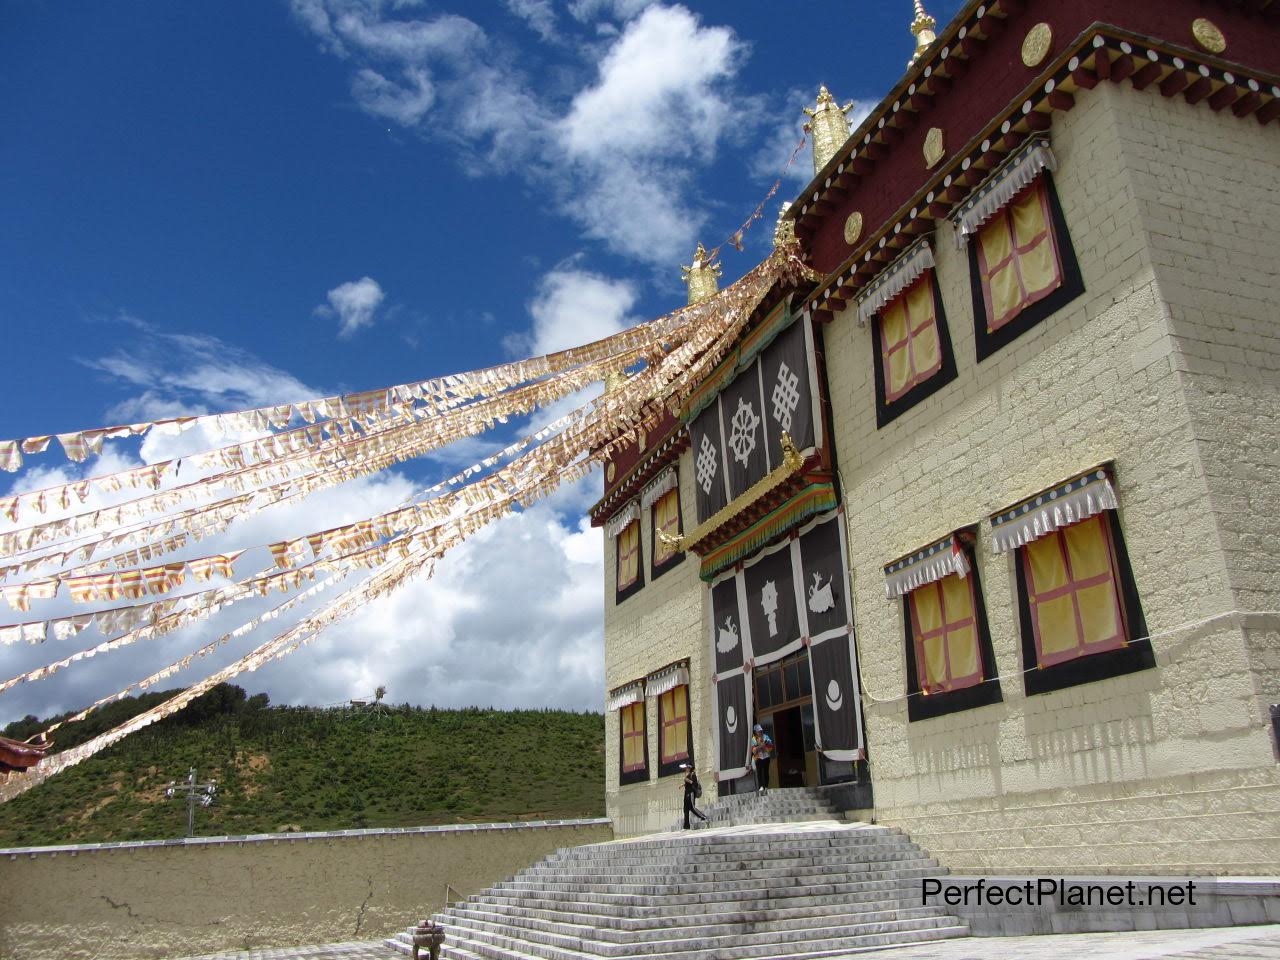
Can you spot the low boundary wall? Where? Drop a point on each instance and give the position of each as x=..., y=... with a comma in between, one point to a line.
x=173, y=898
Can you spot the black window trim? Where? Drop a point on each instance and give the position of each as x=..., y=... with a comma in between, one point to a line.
x=986, y=344
x=984, y=693
x=886, y=413
x=622, y=593
x=658, y=569
x=668, y=769
x=633, y=776
x=1137, y=655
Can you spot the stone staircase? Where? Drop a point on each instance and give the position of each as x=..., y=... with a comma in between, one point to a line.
x=795, y=890
x=785, y=805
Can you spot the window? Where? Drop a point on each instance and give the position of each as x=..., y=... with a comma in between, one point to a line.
x=913, y=349
x=1023, y=266
x=673, y=737
x=950, y=662
x=666, y=519
x=1079, y=610
x=629, y=560
x=635, y=748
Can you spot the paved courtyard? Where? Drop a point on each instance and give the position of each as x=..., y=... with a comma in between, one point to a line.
x=1227, y=943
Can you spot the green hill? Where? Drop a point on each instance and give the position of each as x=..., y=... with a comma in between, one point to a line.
x=313, y=769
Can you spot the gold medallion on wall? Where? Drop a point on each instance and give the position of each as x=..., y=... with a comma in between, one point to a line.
x=933, y=148
x=642, y=438
x=610, y=472
x=1036, y=44
x=1208, y=35
x=853, y=228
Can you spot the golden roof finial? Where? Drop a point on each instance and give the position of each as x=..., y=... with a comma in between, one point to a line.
x=701, y=276
x=785, y=232
x=922, y=28
x=829, y=127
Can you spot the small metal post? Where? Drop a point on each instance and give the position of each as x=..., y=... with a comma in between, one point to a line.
x=194, y=793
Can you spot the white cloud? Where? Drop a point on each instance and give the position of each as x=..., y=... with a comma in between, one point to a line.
x=585, y=10
x=354, y=304
x=539, y=14
x=575, y=306
x=406, y=103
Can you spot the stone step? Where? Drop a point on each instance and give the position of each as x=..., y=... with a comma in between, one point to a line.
x=463, y=947
x=731, y=840
x=712, y=863
x=802, y=909
x=692, y=927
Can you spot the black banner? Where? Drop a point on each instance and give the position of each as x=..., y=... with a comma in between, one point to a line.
x=788, y=394
x=708, y=461
x=823, y=581
x=744, y=431
x=835, y=697
x=734, y=725
x=771, y=604
x=726, y=625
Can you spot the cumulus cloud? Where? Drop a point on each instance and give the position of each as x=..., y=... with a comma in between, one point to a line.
x=354, y=304
x=618, y=157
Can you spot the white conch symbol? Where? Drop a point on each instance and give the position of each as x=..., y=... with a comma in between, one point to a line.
x=834, y=698
x=727, y=638
x=820, y=598
x=731, y=719
x=769, y=603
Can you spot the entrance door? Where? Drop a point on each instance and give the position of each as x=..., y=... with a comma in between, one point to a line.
x=788, y=738
x=783, y=697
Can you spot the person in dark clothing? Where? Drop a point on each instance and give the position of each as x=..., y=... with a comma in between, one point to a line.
x=761, y=754
x=692, y=791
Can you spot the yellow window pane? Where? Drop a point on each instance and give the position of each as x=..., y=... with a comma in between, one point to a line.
x=1006, y=294
x=928, y=608
x=680, y=699
x=666, y=519
x=1044, y=556
x=935, y=662
x=962, y=648
x=900, y=372
x=920, y=301
x=1027, y=214
x=957, y=596
x=633, y=752
x=1087, y=548
x=893, y=325
x=1056, y=620
x=1039, y=267
x=994, y=238
x=629, y=554
x=1098, y=613
x=924, y=347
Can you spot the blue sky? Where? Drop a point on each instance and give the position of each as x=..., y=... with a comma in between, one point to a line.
x=210, y=206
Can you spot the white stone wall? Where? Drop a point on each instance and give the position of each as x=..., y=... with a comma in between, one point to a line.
x=661, y=623
x=1166, y=770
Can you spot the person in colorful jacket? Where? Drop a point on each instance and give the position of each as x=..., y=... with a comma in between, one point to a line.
x=761, y=754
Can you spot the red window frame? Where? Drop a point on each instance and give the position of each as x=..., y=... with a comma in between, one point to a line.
x=1073, y=588
x=919, y=636
x=913, y=330
x=637, y=712
x=667, y=720
x=987, y=271
x=634, y=524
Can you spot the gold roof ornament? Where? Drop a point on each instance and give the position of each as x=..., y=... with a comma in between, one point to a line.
x=829, y=127
x=922, y=28
x=701, y=276
x=784, y=233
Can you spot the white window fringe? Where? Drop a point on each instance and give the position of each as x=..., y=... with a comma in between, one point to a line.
x=894, y=279
x=1009, y=178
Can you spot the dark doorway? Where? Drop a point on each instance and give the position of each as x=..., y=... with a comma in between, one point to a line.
x=788, y=737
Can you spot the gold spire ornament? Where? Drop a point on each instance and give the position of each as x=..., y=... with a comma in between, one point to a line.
x=922, y=28
x=829, y=127
x=701, y=276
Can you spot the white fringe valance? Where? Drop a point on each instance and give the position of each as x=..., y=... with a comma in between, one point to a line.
x=934, y=562
x=619, y=521
x=1062, y=506
x=668, y=678
x=665, y=482
x=1023, y=166
x=894, y=279
x=625, y=696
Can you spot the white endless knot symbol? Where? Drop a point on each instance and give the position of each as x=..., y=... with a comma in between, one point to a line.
x=743, y=439
x=706, y=466
x=785, y=396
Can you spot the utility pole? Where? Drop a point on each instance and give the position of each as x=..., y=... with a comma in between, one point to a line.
x=201, y=793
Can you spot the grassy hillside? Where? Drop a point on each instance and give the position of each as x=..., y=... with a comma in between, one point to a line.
x=316, y=769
